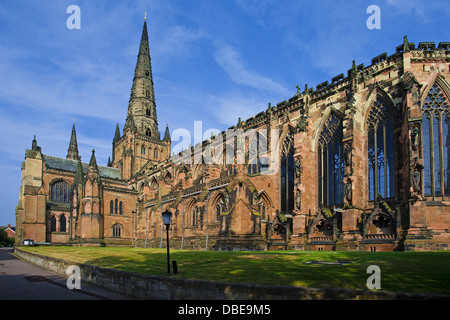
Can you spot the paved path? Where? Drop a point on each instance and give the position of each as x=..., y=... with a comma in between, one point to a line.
x=20, y=280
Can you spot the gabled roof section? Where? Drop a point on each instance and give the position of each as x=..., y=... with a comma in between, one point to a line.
x=52, y=162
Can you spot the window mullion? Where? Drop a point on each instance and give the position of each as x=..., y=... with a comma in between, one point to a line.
x=385, y=162
x=441, y=156
x=375, y=161
x=432, y=157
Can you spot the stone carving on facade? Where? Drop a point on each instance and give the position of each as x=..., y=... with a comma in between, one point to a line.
x=288, y=143
x=382, y=223
x=297, y=169
x=410, y=82
x=415, y=137
x=298, y=200
x=348, y=191
x=348, y=154
x=415, y=171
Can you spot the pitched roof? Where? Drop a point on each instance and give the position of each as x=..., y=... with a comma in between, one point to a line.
x=71, y=165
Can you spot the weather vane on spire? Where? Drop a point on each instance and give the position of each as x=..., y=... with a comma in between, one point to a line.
x=145, y=16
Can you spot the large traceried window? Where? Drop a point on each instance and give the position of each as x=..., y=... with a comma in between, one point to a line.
x=287, y=174
x=436, y=144
x=381, y=150
x=61, y=192
x=331, y=162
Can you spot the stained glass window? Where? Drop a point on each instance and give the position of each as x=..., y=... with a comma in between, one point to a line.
x=287, y=180
x=61, y=192
x=62, y=223
x=435, y=144
x=381, y=154
x=331, y=163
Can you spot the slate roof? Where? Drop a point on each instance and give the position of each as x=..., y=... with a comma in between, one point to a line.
x=71, y=165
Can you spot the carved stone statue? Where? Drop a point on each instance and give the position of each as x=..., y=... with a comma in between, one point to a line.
x=348, y=191
x=416, y=180
x=348, y=154
x=297, y=200
x=297, y=165
x=415, y=136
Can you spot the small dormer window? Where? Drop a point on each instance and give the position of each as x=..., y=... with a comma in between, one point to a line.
x=147, y=73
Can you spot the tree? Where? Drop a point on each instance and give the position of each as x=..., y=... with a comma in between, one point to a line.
x=5, y=241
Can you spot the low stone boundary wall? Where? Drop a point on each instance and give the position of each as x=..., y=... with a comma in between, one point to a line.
x=167, y=288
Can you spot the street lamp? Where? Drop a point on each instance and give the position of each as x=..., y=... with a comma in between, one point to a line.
x=167, y=218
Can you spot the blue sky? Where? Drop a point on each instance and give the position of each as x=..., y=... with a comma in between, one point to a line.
x=212, y=60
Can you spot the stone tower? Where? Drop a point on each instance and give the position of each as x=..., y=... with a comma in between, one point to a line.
x=140, y=145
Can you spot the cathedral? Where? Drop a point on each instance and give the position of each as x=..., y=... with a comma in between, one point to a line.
x=360, y=163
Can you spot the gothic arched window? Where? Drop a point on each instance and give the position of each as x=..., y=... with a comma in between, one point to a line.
x=436, y=143
x=62, y=223
x=218, y=212
x=331, y=162
x=117, y=230
x=111, y=207
x=381, y=151
x=61, y=192
x=194, y=216
x=287, y=174
x=53, y=224
x=262, y=210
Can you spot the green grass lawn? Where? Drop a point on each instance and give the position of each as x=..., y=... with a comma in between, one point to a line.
x=422, y=272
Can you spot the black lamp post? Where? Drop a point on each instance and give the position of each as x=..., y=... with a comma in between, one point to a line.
x=167, y=218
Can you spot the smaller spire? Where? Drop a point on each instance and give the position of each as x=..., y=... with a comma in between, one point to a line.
x=72, y=152
x=167, y=134
x=92, y=172
x=239, y=124
x=405, y=44
x=93, y=161
x=117, y=134
x=78, y=180
x=34, y=145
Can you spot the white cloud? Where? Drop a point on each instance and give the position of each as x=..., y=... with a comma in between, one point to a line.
x=254, y=8
x=231, y=61
x=177, y=42
x=230, y=108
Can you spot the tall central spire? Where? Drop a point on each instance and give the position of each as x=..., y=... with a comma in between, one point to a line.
x=141, y=114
